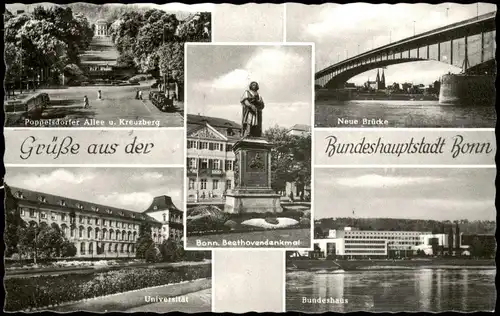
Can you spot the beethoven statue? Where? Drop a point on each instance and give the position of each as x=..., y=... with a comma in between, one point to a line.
x=252, y=111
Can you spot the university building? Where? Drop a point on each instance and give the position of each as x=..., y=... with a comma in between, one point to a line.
x=210, y=157
x=99, y=230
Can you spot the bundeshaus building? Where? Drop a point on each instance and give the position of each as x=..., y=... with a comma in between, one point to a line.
x=100, y=230
x=210, y=156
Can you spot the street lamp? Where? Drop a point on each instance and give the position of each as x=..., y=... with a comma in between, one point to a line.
x=358, y=49
x=390, y=36
x=414, y=28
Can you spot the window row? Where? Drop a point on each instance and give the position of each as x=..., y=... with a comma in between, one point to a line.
x=100, y=234
x=109, y=248
x=64, y=217
x=205, y=145
x=203, y=184
x=383, y=237
x=208, y=163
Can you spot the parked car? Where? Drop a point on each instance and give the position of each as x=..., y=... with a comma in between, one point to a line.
x=161, y=101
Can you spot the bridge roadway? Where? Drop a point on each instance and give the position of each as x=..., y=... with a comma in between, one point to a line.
x=478, y=25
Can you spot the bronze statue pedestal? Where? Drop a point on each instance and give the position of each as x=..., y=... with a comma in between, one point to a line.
x=252, y=176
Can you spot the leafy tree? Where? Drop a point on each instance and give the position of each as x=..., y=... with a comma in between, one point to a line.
x=172, y=251
x=13, y=222
x=318, y=232
x=172, y=59
x=27, y=244
x=153, y=254
x=7, y=16
x=68, y=249
x=434, y=244
x=193, y=28
x=144, y=241
x=49, y=38
x=126, y=60
x=290, y=158
x=50, y=240
x=477, y=248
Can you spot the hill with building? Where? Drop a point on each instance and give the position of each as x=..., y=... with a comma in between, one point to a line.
x=402, y=224
x=94, y=12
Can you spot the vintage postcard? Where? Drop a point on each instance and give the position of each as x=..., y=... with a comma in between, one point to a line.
x=248, y=145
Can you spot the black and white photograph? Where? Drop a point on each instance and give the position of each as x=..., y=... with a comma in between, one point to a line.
x=248, y=161
x=401, y=65
x=398, y=240
x=98, y=65
x=100, y=240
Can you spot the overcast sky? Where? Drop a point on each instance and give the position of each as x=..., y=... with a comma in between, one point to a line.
x=217, y=76
x=337, y=31
x=129, y=188
x=436, y=194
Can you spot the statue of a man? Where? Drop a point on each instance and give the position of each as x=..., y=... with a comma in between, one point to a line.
x=252, y=111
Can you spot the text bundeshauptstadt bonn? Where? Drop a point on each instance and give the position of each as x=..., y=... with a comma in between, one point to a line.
x=364, y=147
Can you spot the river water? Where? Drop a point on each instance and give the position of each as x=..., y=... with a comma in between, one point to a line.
x=402, y=114
x=430, y=290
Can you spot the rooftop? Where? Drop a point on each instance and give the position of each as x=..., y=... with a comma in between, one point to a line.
x=161, y=203
x=223, y=126
x=301, y=127
x=50, y=199
x=213, y=121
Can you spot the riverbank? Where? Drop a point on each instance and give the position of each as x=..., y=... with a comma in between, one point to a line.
x=350, y=265
x=393, y=97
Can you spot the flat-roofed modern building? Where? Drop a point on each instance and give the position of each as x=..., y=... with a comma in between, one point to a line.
x=352, y=242
x=99, y=230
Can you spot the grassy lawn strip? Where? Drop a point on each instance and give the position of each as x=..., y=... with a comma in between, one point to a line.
x=36, y=292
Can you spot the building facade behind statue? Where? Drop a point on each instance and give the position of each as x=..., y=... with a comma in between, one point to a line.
x=99, y=230
x=210, y=157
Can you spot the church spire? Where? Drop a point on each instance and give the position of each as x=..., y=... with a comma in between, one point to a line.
x=383, y=80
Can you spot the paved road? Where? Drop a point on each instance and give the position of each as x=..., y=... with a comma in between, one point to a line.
x=192, y=296
x=118, y=108
x=196, y=302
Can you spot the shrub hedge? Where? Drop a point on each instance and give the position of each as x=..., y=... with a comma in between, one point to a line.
x=42, y=291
